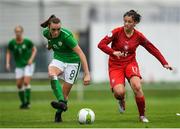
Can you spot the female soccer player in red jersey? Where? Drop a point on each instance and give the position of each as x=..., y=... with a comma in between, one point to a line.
x=122, y=61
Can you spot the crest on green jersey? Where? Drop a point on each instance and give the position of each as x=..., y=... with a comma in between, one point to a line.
x=60, y=43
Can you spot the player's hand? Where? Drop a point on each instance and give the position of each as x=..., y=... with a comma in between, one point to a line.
x=8, y=67
x=168, y=67
x=86, y=79
x=118, y=54
x=30, y=61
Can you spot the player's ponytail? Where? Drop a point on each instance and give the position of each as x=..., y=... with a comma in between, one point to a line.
x=136, y=16
x=46, y=23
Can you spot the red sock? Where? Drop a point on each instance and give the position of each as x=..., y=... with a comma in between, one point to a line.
x=140, y=101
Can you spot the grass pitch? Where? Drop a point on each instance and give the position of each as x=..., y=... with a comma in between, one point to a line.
x=162, y=102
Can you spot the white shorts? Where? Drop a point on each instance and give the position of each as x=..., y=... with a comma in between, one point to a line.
x=28, y=70
x=70, y=70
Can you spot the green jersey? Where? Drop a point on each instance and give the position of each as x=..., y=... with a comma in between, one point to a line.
x=21, y=51
x=63, y=45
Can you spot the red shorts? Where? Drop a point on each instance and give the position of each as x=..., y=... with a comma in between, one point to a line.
x=117, y=74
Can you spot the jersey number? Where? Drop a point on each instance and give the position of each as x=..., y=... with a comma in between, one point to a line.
x=72, y=74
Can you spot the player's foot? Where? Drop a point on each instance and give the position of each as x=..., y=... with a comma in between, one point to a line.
x=58, y=117
x=143, y=119
x=28, y=105
x=23, y=106
x=59, y=105
x=121, y=106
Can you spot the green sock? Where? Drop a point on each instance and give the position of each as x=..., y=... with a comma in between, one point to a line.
x=57, y=89
x=22, y=96
x=28, y=94
x=60, y=110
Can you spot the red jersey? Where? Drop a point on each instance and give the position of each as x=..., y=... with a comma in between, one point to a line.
x=127, y=46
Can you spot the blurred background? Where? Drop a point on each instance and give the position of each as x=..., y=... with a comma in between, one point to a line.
x=90, y=21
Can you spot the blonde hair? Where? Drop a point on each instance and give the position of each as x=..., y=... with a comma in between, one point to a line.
x=19, y=26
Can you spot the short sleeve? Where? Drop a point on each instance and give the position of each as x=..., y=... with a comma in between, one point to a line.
x=10, y=46
x=30, y=44
x=71, y=42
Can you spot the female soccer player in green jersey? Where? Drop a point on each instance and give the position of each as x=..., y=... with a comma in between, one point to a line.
x=65, y=63
x=24, y=53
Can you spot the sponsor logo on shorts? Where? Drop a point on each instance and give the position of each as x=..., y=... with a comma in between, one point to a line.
x=135, y=69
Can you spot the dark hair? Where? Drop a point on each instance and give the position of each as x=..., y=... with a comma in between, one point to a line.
x=54, y=20
x=135, y=16
x=51, y=19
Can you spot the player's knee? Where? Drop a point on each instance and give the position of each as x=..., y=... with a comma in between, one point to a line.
x=137, y=88
x=119, y=94
x=51, y=74
x=26, y=83
x=53, y=77
x=19, y=86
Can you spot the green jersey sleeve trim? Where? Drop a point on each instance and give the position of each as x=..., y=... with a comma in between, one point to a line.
x=30, y=43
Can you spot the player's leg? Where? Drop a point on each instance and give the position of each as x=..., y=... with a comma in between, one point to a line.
x=119, y=93
x=139, y=97
x=117, y=81
x=56, y=68
x=56, y=87
x=28, y=72
x=134, y=77
x=27, y=87
x=19, y=83
x=66, y=90
x=69, y=76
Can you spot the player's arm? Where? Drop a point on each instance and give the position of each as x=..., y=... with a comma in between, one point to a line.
x=33, y=55
x=83, y=59
x=8, y=57
x=103, y=45
x=72, y=43
x=155, y=52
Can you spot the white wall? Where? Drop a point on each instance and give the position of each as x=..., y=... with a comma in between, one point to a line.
x=166, y=37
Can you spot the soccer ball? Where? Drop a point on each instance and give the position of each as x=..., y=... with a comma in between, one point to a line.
x=86, y=116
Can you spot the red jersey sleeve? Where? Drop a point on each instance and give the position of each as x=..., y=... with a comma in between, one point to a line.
x=152, y=49
x=103, y=45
